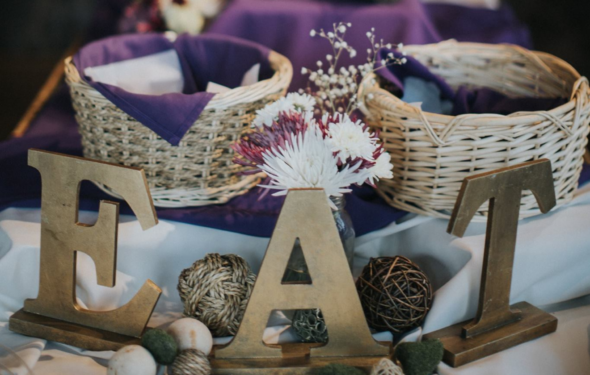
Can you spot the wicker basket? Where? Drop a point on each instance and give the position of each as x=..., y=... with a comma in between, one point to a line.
x=433, y=153
x=197, y=172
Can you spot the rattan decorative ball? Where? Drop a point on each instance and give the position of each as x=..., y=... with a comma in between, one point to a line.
x=395, y=294
x=310, y=326
x=215, y=290
x=190, y=362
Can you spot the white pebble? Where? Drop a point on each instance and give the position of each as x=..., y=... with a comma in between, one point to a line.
x=190, y=333
x=132, y=360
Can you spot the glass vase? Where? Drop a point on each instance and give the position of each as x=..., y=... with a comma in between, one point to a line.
x=297, y=268
x=309, y=325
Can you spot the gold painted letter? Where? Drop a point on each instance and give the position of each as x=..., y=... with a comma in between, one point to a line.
x=306, y=215
x=62, y=236
x=503, y=188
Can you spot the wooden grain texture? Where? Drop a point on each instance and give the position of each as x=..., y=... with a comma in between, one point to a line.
x=497, y=325
x=307, y=217
x=295, y=360
x=68, y=333
x=63, y=236
x=54, y=79
x=460, y=350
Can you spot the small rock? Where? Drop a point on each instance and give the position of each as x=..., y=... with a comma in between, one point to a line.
x=132, y=360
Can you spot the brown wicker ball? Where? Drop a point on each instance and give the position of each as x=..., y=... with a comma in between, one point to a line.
x=190, y=362
x=395, y=294
x=216, y=290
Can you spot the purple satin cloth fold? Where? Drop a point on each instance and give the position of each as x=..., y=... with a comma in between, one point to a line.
x=465, y=100
x=203, y=59
x=55, y=129
x=397, y=73
x=284, y=26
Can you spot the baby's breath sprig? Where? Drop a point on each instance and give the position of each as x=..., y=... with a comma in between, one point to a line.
x=336, y=87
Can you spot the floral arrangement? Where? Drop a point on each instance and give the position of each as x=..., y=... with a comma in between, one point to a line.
x=297, y=151
x=312, y=140
x=181, y=16
x=333, y=87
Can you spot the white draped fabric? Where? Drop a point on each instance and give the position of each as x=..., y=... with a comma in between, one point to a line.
x=552, y=265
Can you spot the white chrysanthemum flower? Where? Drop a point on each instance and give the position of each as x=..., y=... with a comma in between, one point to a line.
x=382, y=168
x=349, y=139
x=308, y=162
x=292, y=102
x=268, y=114
x=301, y=102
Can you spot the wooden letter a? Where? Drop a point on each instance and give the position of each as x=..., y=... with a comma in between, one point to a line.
x=306, y=215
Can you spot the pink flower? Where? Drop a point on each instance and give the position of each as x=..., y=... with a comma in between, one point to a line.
x=251, y=146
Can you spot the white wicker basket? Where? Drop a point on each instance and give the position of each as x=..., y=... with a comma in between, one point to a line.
x=433, y=153
x=197, y=172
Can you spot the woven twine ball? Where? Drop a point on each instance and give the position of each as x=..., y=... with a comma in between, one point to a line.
x=386, y=367
x=190, y=362
x=215, y=290
x=395, y=294
x=310, y=326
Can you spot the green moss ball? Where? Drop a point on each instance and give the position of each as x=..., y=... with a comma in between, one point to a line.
x=337, y=369
x=420, y=358
x=162, y=346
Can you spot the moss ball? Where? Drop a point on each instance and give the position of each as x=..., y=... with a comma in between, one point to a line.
x=338, y=369
x=162, y=346
x=420, y=358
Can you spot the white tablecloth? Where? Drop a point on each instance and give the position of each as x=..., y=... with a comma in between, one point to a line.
x=552, y=265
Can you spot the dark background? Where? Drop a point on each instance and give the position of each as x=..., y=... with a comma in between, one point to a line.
x=35, y=34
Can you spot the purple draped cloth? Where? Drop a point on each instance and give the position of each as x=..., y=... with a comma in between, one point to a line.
x=203, y=59
x=284, y=27
x=464, y=100
x=55, y=129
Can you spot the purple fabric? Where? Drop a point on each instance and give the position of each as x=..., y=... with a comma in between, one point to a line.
x=56, y=130
x=397, y=73
x=284, y=26
x=489, y=101
x=219, y=59
x=481, y=100
x=478, y=25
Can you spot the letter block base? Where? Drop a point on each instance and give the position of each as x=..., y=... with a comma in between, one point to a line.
x=295, y=361
x=68, y=333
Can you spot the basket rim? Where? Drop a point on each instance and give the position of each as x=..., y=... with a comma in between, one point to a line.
x=280, y=81
x=474, y=119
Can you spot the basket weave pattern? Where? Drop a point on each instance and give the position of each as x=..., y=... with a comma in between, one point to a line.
x=433, y=153
x=199, y=171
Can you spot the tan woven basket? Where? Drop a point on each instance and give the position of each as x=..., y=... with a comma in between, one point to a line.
x=433, y=153
x=199, y=171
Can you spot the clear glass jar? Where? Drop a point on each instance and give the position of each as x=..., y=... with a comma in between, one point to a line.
x=309, y=324
x=297, y=269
